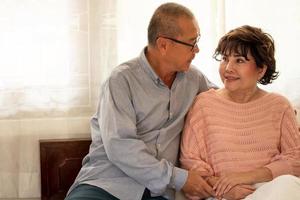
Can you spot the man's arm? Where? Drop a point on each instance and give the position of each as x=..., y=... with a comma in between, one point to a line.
x=124, y=148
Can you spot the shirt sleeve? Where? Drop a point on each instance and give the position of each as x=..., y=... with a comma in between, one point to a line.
x=193, y=154
x=117, y=121
x=288, y=161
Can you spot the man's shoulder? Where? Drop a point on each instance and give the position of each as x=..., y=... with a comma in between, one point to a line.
x=126, y=68
x=195, y=74
x=193, y=71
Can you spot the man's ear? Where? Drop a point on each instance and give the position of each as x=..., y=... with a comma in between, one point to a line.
x=162, y=45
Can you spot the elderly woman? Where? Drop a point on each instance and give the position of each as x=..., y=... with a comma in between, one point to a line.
x=247, y=139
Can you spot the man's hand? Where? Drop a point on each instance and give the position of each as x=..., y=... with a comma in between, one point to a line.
x=196, y=186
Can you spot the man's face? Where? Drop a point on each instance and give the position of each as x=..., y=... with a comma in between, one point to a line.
x=184, y=48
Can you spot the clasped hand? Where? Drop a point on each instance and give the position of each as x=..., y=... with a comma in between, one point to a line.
x=230, y=180
x=231, y=186
x=196, y=187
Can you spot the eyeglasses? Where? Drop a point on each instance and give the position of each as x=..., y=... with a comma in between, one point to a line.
x=184, y=43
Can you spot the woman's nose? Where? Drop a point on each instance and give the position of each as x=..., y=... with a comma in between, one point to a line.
x=229, y=66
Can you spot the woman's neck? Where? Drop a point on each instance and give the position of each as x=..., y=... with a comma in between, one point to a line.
x=242, y=96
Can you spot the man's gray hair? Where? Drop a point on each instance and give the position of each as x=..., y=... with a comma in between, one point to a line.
x=164, y=21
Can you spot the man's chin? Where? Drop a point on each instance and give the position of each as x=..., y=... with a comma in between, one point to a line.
x=186, y=68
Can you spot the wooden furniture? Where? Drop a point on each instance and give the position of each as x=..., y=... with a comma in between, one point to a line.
x=60, y=164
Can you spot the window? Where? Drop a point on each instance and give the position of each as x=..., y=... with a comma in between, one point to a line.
x=44, y=57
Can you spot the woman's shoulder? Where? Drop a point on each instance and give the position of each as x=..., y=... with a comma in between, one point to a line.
x=277, y=98
x=207, y=94
x=277, y=102
x=205, y=98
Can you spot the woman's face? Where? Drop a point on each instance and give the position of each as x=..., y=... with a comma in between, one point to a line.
x=239, y=74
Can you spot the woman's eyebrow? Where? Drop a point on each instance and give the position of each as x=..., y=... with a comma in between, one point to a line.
x=238, y=55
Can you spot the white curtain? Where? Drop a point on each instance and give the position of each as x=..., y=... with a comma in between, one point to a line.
x=54, y=55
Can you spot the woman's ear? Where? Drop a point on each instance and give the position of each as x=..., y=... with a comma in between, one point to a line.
x=262, y=72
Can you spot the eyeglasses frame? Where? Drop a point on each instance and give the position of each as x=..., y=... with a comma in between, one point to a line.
x=183, y=43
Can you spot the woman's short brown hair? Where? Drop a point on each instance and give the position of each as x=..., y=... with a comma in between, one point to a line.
x=260, y=44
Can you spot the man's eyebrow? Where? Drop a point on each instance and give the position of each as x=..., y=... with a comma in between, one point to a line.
x=194, y=38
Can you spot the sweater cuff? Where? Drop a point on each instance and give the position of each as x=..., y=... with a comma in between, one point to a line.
x=178, y=179
x=279, y=168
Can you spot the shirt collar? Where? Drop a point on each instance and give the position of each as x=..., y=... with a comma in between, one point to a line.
x=147, y=67
x=149, y=70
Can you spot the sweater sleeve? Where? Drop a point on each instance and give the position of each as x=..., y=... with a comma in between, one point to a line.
x=288, y=161
x=193, y=154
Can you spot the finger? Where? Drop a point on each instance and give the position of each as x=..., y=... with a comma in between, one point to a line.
x=205, y=173
x=208, y=189
x=249, y=187
x=228, y=188
x=224, y=188
x=219, y=197
x=221, y=187
x=216, y=185
x=205, y=194
x=220, y=181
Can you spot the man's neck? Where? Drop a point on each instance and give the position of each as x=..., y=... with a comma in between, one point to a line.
x=160, y=67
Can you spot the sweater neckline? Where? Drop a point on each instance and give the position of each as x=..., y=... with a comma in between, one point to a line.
x=214, y=91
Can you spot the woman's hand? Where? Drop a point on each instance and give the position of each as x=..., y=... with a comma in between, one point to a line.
x=239, y=192
x=227, y=181
x=236, y=192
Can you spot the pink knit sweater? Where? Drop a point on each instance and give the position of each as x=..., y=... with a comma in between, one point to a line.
x=224, y=136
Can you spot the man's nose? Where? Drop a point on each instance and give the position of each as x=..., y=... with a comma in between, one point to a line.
x=196, y=49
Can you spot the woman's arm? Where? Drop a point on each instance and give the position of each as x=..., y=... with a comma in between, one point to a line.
x=288, y=161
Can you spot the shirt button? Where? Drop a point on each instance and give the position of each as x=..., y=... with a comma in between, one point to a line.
x=158, y=146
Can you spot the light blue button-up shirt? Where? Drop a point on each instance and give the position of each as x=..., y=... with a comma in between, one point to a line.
x=136, y=131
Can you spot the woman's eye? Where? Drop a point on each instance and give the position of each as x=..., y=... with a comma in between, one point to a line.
x=240, y=60
x=224, y=58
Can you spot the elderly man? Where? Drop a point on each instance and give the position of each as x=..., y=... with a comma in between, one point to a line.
x=136, y=130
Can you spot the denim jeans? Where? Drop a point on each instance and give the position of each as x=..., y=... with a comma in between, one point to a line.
x=90, y=192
